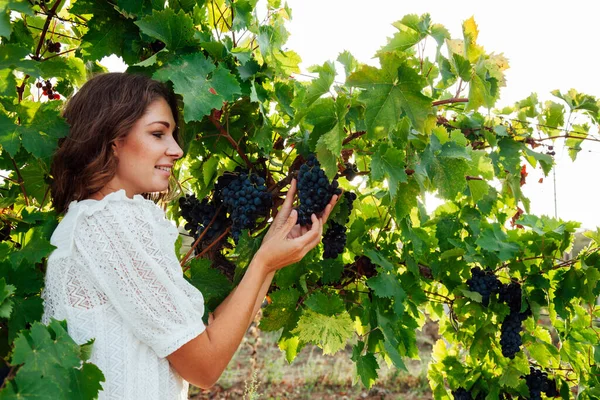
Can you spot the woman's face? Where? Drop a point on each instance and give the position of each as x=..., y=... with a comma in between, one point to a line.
x=146, y=155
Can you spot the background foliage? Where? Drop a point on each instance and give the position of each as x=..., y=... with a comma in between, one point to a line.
x=422, y=121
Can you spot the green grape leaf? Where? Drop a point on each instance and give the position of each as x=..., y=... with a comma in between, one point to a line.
x=6, y=304
x=39, y=352
x=174, y=30
x=25, y=311
x=34, y=249
x=366, y=365
x=388, y=285
x=318, y=87
x=201, y=94
x=31, y=385
x=10, y=137
x=330, y=333
x=38, y=143
x=389, y=93
x=449, y=176
x=213, y=285
x=108, y=33
x=388, y=162
x=282, y=310
x=85, y=381
x=325, y=304
x=290, y=344
x=495, y=240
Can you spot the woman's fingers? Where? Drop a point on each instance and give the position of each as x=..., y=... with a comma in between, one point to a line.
x=289, y=198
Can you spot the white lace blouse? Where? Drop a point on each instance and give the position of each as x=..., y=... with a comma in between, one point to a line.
x=115, y=277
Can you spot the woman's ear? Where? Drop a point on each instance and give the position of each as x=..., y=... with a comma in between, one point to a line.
x=114, y=146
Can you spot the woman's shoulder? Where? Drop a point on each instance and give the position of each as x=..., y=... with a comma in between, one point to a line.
x=85, y=214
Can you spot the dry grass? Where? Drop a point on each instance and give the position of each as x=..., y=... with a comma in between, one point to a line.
x=259, y=370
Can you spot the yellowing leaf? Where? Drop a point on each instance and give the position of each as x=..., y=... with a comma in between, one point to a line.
x=330, y=333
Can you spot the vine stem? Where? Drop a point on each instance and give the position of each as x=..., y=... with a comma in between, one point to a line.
x=226, y=135
x=210, y=246
x=188, y=254
x=448, y=299
x=450, y=101
x=59, y=54
x=21, y=181
x=51, y=14
x=353, y=136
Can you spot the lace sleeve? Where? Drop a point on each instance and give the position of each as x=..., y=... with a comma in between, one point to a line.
x=131, y=257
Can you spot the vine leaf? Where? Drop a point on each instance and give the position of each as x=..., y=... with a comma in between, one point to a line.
x=201, y=94
x=388, y=162
x=495, y=240
x=327, y=305
x=391, y=92
x=213, y=285
x=109, y=32
x=388, y=285
x=366, y=365
x=330, y=333
x=282, y=310
x=51, y=365
x=6, y=304
x=174, y=30
x=10, y=138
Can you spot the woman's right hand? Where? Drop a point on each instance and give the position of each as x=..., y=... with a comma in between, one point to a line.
x=285, y=242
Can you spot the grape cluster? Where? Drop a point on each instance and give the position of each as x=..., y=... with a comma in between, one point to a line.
x=53, y=47
x=198, y=215
x=510, y=331
x=48, y=90
x=485, y=283
x=510, y=335
x=350, y=171
x=314, y=190
x=334, y=240
x=538, y=382
x=246, y=198
x=350, y=197
x=462, y=394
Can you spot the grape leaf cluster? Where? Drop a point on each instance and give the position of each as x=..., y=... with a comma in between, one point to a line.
x=246, y=198
x=485, y=283
x=538, y=382
x=314, y=190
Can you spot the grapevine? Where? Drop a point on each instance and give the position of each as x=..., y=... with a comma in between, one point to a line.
x=515, y=314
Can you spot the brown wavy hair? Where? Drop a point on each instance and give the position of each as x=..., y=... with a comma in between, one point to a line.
x=103, y=111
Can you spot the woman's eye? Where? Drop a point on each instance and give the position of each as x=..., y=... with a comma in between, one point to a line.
x=157, y=134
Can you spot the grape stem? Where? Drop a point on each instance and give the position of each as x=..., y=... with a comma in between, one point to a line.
x=450, y=101
x=21, y=181
x=215, y=120
x=205, y=250
x=51, y=14
x=187, y=255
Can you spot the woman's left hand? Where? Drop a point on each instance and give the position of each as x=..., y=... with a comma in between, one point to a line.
x=286, y=243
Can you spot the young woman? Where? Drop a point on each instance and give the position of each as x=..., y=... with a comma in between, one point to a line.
x=114, y=275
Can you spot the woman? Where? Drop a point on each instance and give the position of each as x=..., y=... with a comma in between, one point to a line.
x=114, y=275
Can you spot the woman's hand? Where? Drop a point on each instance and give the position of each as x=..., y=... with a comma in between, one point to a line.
x=286, y=243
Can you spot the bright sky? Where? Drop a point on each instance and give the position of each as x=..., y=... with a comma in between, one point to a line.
x=549, y=44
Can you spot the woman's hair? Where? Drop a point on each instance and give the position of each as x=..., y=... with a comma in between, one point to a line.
x=103, y=111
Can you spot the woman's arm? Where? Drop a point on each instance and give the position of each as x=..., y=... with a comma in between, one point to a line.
x=202, y=360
